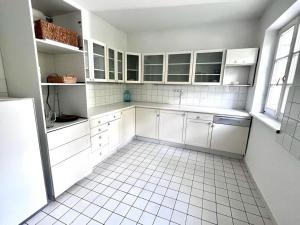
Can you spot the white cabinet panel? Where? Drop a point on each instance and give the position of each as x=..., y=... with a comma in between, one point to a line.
x=114, y=134
x=66, y=151
x=100, y=140
x=198, y=133
x=65, y=135
x=246, y=56
x=127, y=126
x=171, y=126
x=68, y=172
x=229, y=138
x=147, y=123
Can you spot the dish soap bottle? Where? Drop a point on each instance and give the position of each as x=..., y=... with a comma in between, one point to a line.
x=127, y=96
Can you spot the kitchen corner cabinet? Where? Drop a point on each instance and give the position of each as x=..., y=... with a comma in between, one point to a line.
x=208, y=67
x=127, y=126
x=153, y=68
x=132, y=67
x=147, y=122
x=198, y=130
x=171, y=126
x=179, y=68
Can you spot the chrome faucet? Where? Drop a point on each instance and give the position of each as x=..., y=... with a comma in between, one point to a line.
x=180, y=91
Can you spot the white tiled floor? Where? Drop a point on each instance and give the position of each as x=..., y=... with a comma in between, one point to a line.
x=147, y=183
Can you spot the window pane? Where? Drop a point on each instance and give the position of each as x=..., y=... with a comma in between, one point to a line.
x=297, y=45
x=286, y=93
x=284, y=44
x=293, y=69
x=279, y=71
x=274, y=96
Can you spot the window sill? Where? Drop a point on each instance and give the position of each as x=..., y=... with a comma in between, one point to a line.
x=270, y=122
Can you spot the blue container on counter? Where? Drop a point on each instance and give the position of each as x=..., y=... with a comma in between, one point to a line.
x=127, y=96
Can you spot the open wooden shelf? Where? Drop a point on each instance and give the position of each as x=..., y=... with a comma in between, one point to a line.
x=62, y=84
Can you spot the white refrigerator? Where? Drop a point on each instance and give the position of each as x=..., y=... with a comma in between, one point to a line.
x=22, y=188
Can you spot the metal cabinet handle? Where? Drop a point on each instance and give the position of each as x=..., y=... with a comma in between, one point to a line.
x=100, y=137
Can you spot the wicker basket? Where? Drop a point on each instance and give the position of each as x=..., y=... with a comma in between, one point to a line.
x=67, y=79
x=46, y=30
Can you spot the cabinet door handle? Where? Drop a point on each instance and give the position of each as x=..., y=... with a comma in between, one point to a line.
x=99, y=137
x=99, y=129
x=99, y=121
x=99, y=145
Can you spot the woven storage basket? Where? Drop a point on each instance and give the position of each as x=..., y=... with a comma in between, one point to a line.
x=67, y=79
x=46, y=30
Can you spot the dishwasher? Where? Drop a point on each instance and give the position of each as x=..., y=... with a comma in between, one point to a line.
x=230, y=133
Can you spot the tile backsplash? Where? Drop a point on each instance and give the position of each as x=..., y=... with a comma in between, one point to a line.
x=290, y=125
x=206, y=96
x=104, y=94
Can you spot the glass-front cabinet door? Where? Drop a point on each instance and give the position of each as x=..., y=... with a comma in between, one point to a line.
x=133, y=67
x=120, y=66
x=99, y=53
x=179, y=68
x=111, y=65
x=86, y=51
x=153, y=67
x=208, y=67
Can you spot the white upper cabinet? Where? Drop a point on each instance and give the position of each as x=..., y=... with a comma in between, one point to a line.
x=208, y=67
x=111, y=65
x=120, y=66
x=99, y=70
x=179, y=68
x=245, y=56
x=153, y=68
x=133, y=67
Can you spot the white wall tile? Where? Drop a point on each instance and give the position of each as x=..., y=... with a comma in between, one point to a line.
x=205, y=96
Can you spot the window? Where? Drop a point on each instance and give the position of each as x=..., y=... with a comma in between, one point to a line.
x=284, y=68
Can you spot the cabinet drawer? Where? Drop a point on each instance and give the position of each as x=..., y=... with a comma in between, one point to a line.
x=66, y=151
x=200, y=116
x=99, y=129
x=100, y=141
x=114, y=116
x=98, y=155
x=68, y=172
x=99, y=121
x=68, y=134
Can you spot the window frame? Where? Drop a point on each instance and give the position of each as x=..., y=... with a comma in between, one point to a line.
x=294, y=23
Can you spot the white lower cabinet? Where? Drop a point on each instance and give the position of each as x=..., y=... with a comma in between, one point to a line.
x=171, y=126
x=127, y=126
x=68, y=172
x=69, y=150
x=147, y=122
x=229, y=138
x=114, y=135
x=198, y=133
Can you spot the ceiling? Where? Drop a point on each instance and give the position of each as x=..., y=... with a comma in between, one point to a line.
x=147, y=15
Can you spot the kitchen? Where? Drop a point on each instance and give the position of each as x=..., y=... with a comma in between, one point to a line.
x=190, y=117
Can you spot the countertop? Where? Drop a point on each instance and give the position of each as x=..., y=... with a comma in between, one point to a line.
x=100, y=110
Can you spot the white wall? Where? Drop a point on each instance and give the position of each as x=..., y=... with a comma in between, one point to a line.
x=100, y=30
x=208, y=36
x=3, y=88
x=276, y=173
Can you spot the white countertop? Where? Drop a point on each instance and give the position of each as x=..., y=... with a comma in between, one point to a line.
x=99, y=110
